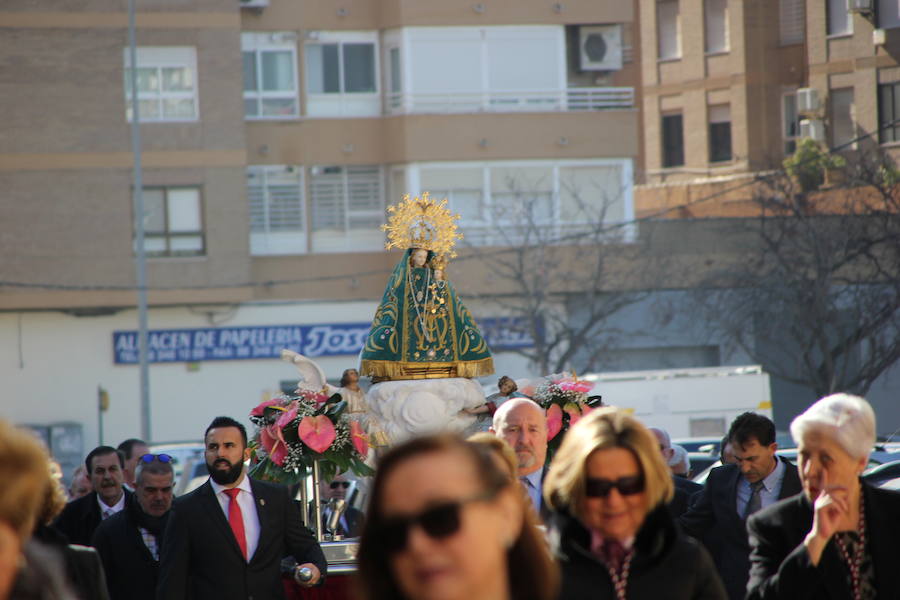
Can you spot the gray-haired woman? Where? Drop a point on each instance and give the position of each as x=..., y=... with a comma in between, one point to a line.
x=838, y=539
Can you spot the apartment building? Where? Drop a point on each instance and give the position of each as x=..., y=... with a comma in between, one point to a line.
x=726, y=85
x=274, y=135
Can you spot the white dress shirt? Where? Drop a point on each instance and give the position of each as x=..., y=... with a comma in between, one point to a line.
x=106, y=510
x=769, y=491
x=248, y=510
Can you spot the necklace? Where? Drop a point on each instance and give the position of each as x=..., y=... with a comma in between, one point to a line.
x=420, y=317
x=620, y=581
x=855, y=562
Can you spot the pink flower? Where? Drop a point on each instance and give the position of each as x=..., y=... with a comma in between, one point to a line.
x=317, y=432
x=287, y=416
x=360, y=438
x=261, y=408
x=573, y=411
x=272, y=440
x=554, y=421
x=576, y=386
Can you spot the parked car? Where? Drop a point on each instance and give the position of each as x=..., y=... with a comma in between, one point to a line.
x=883, y=472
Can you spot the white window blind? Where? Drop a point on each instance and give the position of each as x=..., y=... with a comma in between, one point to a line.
x=173, y=225
x=347, y=207
x=843, y=130
x=166, y=85
x=792, y=21
x=839, y=21
x=716, y=25
x=668, y=29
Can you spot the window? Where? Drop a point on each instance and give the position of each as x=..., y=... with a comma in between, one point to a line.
x=347, y=208
x=173, y=225
x=838, y=15
x=342, y=74
x=165, y=82
x=277, y=212
x=719, y=133
x=790, y=122
x=843, y=130
x=792, y=21
x=716, y=23
x=668, y=26
x=270, y=75
x=501, y=203
x=672, y=141
x=888, y=14
x=889, y=113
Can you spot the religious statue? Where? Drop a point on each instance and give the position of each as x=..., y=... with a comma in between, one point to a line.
x=357, y=409
x=421, y=329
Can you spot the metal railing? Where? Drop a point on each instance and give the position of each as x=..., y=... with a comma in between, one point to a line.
x=571, y=99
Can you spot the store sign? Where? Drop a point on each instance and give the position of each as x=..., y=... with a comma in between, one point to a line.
x=242, y=343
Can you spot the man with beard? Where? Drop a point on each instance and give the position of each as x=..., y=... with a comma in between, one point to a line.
x=226, y=539
x=81, y=517
x=523, y=425
x=129, y=542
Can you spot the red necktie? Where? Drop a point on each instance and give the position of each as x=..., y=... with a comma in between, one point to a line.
x=236, y=520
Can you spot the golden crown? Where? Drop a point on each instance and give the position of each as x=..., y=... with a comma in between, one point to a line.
x=422, y=223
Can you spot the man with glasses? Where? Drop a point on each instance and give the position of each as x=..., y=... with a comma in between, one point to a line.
x=351, y=521
x=81, y=517
x=226, y=539
x=129, y=542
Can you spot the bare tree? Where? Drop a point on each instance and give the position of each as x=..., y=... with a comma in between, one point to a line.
x=562, y=269
x=816, y=298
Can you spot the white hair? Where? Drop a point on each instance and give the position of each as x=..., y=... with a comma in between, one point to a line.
x=509, y=406
x=680, y=461
x=847, y=419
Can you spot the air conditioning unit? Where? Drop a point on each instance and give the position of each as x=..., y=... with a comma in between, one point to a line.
x=254, y=3
x=864, y=7
x=807, y=100
x=813, y=129
x=600, y=47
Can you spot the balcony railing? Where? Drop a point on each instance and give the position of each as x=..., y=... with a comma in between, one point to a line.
x=571, y=99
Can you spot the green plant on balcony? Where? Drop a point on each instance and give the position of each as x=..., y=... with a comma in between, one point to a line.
x=810, y=163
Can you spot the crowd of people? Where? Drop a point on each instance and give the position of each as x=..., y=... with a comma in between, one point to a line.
x=612, y=515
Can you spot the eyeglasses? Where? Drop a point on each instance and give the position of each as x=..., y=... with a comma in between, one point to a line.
x=336, y=484
x=163, y=458
x=438, y=522
x=627, y=486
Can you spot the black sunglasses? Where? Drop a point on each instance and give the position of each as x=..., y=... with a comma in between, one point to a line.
x=336, y=484
x=163, y=458
x=627, y=486
x=438, y=522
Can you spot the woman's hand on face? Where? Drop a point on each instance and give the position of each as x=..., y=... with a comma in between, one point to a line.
x=831, y=512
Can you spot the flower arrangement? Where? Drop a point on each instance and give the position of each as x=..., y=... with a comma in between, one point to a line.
x=294, y=431
x=564, y=397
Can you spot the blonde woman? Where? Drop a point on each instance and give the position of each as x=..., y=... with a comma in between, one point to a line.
x=611, y=532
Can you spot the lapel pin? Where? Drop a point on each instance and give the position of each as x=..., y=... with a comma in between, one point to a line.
x=262, y=501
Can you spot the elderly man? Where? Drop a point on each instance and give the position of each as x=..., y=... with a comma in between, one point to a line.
x=132, y=449
x=684, y=488
x=734, y=492
x=129, y=541
x=81, y=517
x=227, y=538
x=523, y=424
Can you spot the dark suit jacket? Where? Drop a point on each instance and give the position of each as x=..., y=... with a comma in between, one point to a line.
x=83, y=567
x=201, y=560
x=681, y=499
x=780, y=566
x=354, y=518
x=714, y=520
x=131, y=571
x=81, y=517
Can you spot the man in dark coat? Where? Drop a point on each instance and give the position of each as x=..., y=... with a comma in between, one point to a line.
x=351, y=520
x=732, y=492
x=226, y=539
x=684, y=487
x=129, y=542
x=81, y=517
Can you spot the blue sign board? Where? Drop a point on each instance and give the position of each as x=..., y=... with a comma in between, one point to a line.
x=242, y=343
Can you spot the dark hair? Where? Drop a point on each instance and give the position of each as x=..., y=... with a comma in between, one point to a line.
x=509, y=379
x=751, y=426
x=102, y=451
x=127, y=447
x=530, y=571
x=344, y=379
x=226, y=422
x=722, y=445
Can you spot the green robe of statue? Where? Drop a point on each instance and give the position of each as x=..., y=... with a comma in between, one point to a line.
x=422, y=331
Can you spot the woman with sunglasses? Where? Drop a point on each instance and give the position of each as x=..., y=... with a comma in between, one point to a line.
x=611, y=530
x=445, y=522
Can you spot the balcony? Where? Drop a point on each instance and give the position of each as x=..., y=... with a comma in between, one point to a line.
x=571, y=99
